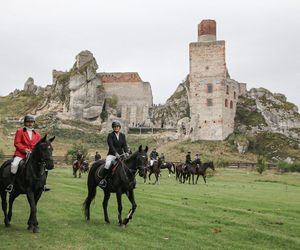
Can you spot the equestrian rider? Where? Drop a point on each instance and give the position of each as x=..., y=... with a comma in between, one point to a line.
x=25, y=140
x=188, y=159
x=97, y=156
x=117, y=146
x=197, y=159
x=153, y=157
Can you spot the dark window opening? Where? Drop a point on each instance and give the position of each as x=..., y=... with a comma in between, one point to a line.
x=227, y=90
x=209, y=102
x=231, y=104
x=226, y=103
x=209, y=88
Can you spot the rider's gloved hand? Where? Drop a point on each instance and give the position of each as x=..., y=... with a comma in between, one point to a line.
x=117, y=155
x=127, y=155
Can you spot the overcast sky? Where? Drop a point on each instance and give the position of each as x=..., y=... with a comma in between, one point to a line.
x=150, y=37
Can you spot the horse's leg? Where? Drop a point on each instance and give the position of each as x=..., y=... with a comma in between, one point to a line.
x=193, y=178
x=74, y=172
x=149, y=176
x=4, y=208
x=130, y=195
x=204, y=178
x=197, y=178
x=35, y=229
x=104, y=205
x=119, y=199
x=80, y=171
x=32, y=221
x=12, y=198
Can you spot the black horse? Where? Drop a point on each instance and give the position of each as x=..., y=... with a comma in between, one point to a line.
x=30, y=180
x=122, y=181
x=201, y=170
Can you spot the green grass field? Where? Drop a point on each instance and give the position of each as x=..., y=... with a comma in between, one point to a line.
x=237, y=209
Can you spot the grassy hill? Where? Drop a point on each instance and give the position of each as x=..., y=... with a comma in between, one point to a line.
x=237, y=209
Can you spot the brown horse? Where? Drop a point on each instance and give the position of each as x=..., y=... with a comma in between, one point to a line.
x=80, y=165
x=154, y=169
x=168, y=165
x=180, y=172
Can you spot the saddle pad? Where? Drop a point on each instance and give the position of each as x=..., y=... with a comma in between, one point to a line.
x=6, y=170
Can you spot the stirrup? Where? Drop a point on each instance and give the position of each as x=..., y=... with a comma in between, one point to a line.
x=102, y=183
x=46, y=189
x=9, y=188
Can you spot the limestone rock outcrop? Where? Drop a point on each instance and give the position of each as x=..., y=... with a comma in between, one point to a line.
x=175, y=108
x=261, y=110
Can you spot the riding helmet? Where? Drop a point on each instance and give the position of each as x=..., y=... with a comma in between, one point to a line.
x=29, y=118
x=116, y=124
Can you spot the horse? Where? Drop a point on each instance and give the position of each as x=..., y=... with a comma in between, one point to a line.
x=181, y=170
x=201, y=170
x=122, y=181
x=81, y=165
x=155, y=168
x=168, y=165
x=30, y=180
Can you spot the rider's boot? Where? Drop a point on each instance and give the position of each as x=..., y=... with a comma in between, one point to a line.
x=10, y=187
x=103, y=181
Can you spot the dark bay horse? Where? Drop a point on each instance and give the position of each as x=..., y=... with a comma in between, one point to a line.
x=154, y=169
x=30, y=180
x=122, y=181
x=80, y=165
x=201, y=169
x=168, y=165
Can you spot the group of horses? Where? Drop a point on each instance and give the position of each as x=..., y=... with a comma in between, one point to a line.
x=183, y=171
x=31, y=178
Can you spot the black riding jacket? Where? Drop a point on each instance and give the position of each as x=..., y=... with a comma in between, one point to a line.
x=153, y=155
x=115, y=145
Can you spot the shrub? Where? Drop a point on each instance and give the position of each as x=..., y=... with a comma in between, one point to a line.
x=288, y=167
x=221, y=163
x=261, y=165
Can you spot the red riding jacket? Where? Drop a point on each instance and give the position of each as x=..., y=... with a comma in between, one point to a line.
x=22, y=141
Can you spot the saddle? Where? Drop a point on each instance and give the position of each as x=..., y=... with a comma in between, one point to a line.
x=7, y=168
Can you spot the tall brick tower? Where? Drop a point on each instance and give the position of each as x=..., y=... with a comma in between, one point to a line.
x=212, y=94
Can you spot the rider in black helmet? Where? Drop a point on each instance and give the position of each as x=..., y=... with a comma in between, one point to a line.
x=117, y=146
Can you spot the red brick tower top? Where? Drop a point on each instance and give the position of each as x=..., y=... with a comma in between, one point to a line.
x=207, y=31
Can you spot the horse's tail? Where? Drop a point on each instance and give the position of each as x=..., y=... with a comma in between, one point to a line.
x=92, y=189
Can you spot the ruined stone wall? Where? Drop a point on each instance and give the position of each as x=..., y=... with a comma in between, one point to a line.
x=134, y=96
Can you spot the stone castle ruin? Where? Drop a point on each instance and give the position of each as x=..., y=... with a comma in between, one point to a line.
x=207, y=105
x=97, y=97
x=212, y=94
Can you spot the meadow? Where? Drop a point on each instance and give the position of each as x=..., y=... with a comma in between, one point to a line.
x=237, y=209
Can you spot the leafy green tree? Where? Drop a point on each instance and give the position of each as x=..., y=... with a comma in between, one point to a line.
x=261, y=164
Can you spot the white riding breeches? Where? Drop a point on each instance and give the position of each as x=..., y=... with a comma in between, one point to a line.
x=109, y=160
x=15, y=164
x=151, y=162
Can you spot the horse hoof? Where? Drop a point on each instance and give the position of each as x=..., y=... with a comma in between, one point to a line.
x=125, y=221
x=35, y=230
x=7, y=224
x=30, y=227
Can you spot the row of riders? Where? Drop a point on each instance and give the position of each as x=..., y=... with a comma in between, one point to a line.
x=27, y=172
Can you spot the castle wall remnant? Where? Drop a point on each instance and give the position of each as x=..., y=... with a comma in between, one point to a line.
x=134, y=95
x=212, y=94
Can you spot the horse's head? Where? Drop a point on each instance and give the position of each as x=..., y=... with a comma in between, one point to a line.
x=43, y=150
x=141, y=160
x=211, y=165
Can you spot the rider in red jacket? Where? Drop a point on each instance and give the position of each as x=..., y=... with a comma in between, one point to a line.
x=25, y=140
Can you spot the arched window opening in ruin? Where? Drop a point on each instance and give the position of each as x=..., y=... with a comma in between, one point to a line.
x=207, y=67
x=227, y=89
x=231, y=104
x=209, y=102
x=226, y=103
x=209, y=88
x=205, y=121
x=234, y=95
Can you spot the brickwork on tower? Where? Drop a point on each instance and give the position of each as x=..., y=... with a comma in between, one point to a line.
x=212, y=95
